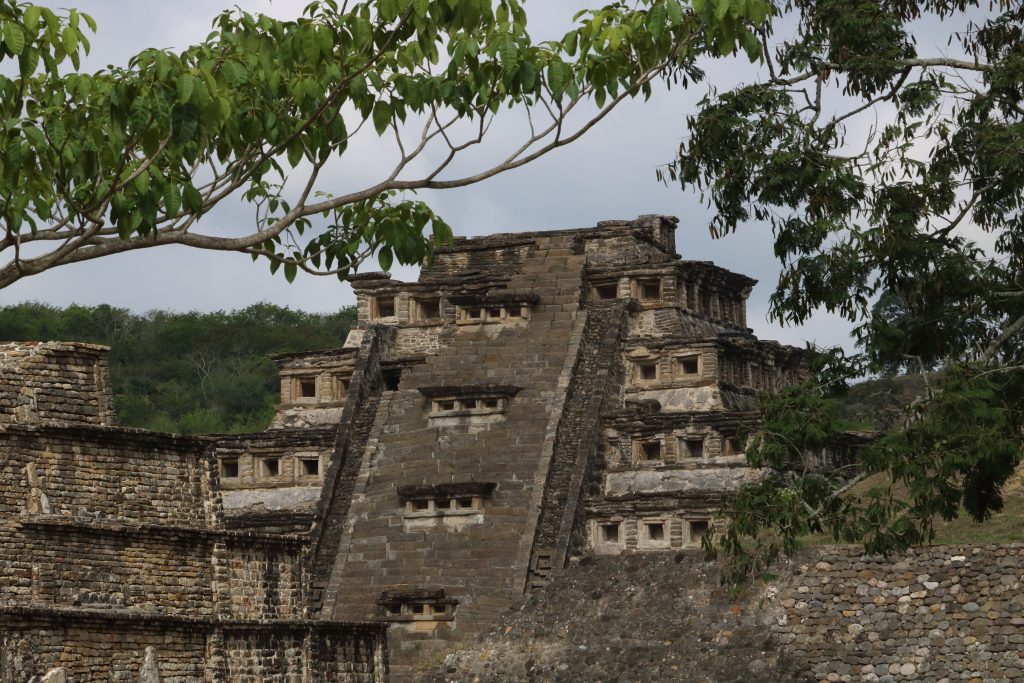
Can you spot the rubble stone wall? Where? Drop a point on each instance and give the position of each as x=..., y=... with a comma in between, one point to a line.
x=939, y=613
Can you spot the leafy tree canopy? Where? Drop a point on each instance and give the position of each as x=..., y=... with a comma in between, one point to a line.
x=892, y=178
x=192, y=373
x=133, y=157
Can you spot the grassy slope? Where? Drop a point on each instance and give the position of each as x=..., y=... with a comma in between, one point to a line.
x=878, y=404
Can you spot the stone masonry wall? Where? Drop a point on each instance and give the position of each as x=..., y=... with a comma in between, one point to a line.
x=99, y=649
x=129, y=522
x=937, y=614
x=100, y=474
x=55, y=382
x=111, y=542
x=482, y=563
x=356, y=421
x=298, y=653
x=48, y=561
x=280, y=501
x=941, y=613
x=578, y=443
x=260, y=577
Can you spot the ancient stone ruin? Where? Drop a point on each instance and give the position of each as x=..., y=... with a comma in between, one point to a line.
x=116, y=563
x=533, y=397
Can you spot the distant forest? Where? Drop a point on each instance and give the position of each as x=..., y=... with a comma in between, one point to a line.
x=192, y=373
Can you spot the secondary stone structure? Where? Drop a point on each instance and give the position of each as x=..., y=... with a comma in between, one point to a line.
x=116, y=564
x=532, y=397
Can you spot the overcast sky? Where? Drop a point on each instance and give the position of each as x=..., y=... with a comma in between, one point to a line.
x=608, y=174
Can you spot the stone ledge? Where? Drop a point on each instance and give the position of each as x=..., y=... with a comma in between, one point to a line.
x=454, y=489
x=117, y=528
x=63, y=614
x=625, y=484
x=468, y=390
x=294, y=355
x=106, y=436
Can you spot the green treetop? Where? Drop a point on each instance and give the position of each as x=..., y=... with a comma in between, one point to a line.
x=134, y=157
x=892, y=177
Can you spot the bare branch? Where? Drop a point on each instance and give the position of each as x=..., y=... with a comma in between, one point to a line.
x=1008, y=331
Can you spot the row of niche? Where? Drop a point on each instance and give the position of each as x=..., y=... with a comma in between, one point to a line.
x=273, y=470
x=416, y=605
x=704, y=301
x=477, y=409
x=452, y=506
x=620, y=533
x=302, y=387
x=668, y=289
x=435, y=310
x=312, y=388
x=652, y=369
x=685, y=447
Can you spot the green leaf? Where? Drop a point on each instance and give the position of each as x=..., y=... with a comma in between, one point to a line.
x=570, y=41
x=556, y=77
x=675, y=12
x=388, y=9
x=84, y=84
x=69, y=40
x=757, y=11
x=124, y=228
x=191, y=199
x=722, y=8
x=186, y=86
x=14, y=38
x=528, y=75
x=172, y=199
x=162, y=65
x=142, y=183
x=28, y=62
x=34, y=135
x=357, y=88
x=31, y=18
x=55, y=129
x=751, y=44
x=381, y=117
x=295, y=152
x=509, y=53
x=290, y=270
x=656, y=20
x=310, y=47
x=421, y=7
